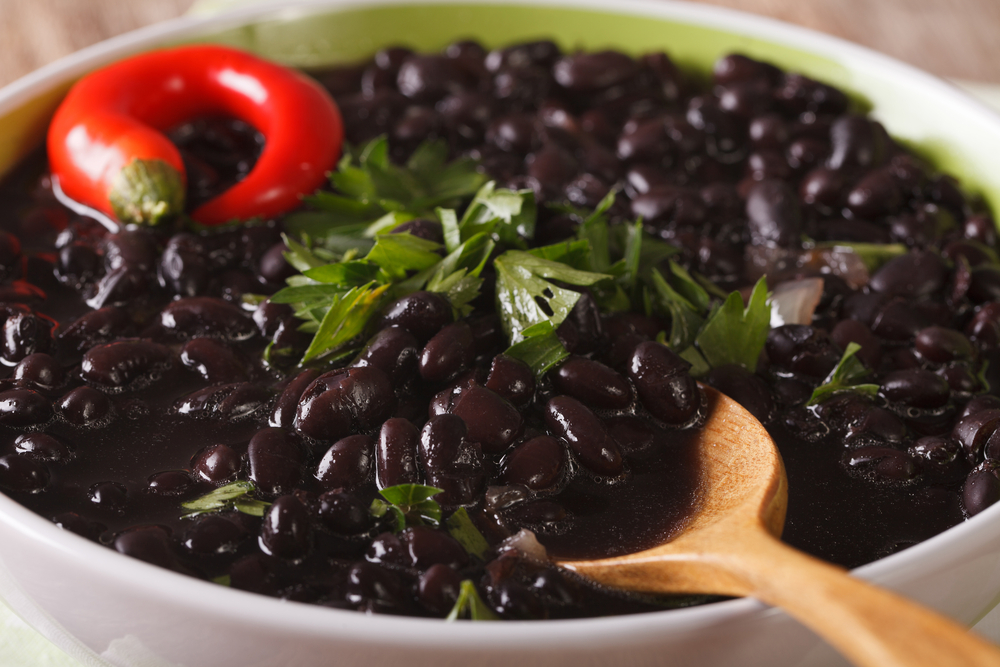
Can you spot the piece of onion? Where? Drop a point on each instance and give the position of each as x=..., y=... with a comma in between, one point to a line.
x=526, y=544
x=795, y=301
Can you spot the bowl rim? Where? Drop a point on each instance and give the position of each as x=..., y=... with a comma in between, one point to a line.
x=300, y=619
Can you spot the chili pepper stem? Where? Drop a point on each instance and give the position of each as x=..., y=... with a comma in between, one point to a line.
x=146, y=192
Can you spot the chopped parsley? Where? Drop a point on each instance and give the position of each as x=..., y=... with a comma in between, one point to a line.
x=846, y=376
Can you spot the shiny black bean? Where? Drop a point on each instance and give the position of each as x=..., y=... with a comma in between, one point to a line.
x=344, y=513
x=214, y=535
x=347, y=464
x=25, y=334
x=286, y=531
x=43, y=447
x=216, y=463
x=394, y=351
x=663, y=383
x=823, y=187
x=980, y=228
x=273, y=267
x=853, y=331
x=973, y=252
x=374, y=586
x=23, y=473
x=941, y=345
x=745, y=98
x=467, y=114
x=213, y=361
x=170, y=483
x=421, y=313
x=343, y=401
x=884, y=462
x=224, y=402
x=985, y=284
x=511, y=379
x=875, y=195
x=980, y=403
x=553, y=167
x=916, y=274
x=441, y=440
x=147, y=543
x=916, y=388
x=587, y=436
x=109, y=496
x=590, y=72
x=974, y=430
x=537, y=463
x=207, y=316
x=85, y=406
x=119, y=287
x=806, y=153
x=269, y=316
x=396, y=453
x=981, y=490
x=96, y=326
x=542, y=53
x=984, y=327
x=40, y=370
x=492, y=421
x=75, y=523
x=669, y=206
x=276, y=460
x=515, y=133
x=23, y=407
x=448, y=353
x=513, y=600
x=592, y=383
x=124, y=362
x=437, y=588
x=774, y=214
x=428, y=78
x=77, y=264
x=882, y=424
x=745, y=388
x=283, y=414
x=184, y=268
x=935, y=450
x=520, y=88
x=857, y=141
x=135, y=248
x=736, y=67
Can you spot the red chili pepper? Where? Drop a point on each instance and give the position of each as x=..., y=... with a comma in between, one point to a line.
x=107, y=148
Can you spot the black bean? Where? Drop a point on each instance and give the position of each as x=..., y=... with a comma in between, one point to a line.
x=423, y=314
x=214, y=361
x=448, y=353
x=184, y=268
x=665, y=206
x=124, y=362
x=972, y=252
x=520, y=88
x=369, y=584
x=513, y=600
x=774, y=215
x=22, y=473
x=537, y=463
x=882, y=424
x=224, y=402
x=75, y=523
x=806, y=153
x=207, y=316
x=663, y=383
x=344, y=513
x=135, y=248
x=512, y=379
x=981, y=490
x=23, y=407
x=941, y=345
x=347, y=464
x=883, y=462
x=589, y=72
x=984, y=286
x=974, y=430
x=593, y=383
x=587, y=436
x=857, y=141
x=492, y=421
x=396, y=454
x=77, y=265
x=981, y=228
x=268, y=316
x=553, y=167
x=543, y=53
x=43, y=447
x=276, y=460
x=25, y=334
x=900, y=320
x=343, y=401
x=170, y=483
x=273, y=266
x=283, y=414
x=984, y=327
x=109, y=496
x=853, y=331
x=214, y=535
x=437, y=588
x=428, y=78
x=875, y=195
x=916, y=388
x=216, y=463
x=97, y=326
x=736, y=67
x=467, y=114
x=119, y=287
x=40, y=370
x=980, y=403
x=84, y=406
x=745, y=98
x=935, y=450
x=441, y=441
x=285, y=531
x=823, y=187
x=147, y=543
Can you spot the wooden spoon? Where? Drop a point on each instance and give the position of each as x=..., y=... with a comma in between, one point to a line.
x=731, y=547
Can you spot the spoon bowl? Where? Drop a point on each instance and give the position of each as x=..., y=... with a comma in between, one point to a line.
x=731, y=546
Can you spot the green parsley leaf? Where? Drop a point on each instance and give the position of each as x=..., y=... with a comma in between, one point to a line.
x=347, y=318
x=526, y=297
x=541, y=349
x=734, y=335
x=462, y=529
x=509, y=215
x=470, y=605
x=686, y=318
x=237, y=495
x=846, y=376
x=873, y=255
x=396, y=254
x=410, y=504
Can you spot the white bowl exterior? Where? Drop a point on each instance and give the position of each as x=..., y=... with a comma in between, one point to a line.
x=106, y=609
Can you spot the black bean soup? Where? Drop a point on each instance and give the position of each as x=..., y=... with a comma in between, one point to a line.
x=135, y=378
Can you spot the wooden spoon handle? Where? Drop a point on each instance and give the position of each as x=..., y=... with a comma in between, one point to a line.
x=870, y=626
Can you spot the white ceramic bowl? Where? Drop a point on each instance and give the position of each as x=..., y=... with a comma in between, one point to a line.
x=104, y=608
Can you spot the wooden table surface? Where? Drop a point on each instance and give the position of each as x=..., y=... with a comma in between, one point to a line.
x=952, y=38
